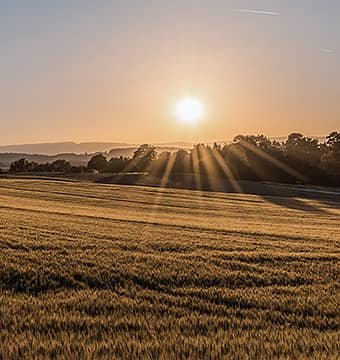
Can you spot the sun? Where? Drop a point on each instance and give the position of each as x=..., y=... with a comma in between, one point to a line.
x=189, y=110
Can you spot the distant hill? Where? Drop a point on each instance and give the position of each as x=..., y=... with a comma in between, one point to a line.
x=94, y=147
x=81, y=153
x=79, y=148
x=176, y=144
x=75, y=159
x=62, y=148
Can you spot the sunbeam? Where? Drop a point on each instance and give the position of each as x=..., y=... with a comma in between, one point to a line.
x=215, y=181
x=196, y=168
x=226, y=170
x=272, y=160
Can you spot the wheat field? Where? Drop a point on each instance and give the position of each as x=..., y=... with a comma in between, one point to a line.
x=122, y=272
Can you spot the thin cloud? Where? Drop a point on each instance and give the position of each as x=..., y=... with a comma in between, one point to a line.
x=326, y=51
x=258, y=12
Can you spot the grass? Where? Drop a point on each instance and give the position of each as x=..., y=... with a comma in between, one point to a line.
x=123, y=272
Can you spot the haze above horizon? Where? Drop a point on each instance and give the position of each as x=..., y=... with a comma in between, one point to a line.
x=95, y=71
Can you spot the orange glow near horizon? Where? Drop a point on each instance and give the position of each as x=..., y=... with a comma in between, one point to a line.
x=117, y=79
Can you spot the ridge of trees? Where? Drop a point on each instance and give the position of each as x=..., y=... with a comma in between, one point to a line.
x=299, y=159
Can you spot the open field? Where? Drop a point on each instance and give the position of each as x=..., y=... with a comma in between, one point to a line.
x=126, y=272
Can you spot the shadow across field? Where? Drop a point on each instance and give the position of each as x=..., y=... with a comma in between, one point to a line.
x=295, y=204
x=284, y=195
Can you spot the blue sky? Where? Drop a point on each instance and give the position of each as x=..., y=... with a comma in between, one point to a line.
x=111, y=70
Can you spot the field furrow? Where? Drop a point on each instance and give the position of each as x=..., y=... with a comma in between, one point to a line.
x=130, y=272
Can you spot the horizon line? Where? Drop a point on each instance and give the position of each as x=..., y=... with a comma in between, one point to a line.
x=159, y=143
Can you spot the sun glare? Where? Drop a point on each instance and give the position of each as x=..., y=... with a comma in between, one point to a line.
x=189, y=110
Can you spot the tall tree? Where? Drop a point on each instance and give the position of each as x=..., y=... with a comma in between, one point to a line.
x=143, y=156
x=98, y=163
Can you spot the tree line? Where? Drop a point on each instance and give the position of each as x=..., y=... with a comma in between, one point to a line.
x=299, y=159
x=57, y=166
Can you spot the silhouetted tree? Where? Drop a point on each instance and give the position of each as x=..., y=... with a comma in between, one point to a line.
x=331, y=158
x=333, y=141
x=159, y=166
x=19, y=166
x=61, y=166
x=98, y=163
x=117, y=165
x=77, y=169
x=248, y=157
x=142, y=157
x=181, y=162
x=299, y=148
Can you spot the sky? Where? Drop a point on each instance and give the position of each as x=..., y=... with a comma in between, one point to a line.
x=81, y=70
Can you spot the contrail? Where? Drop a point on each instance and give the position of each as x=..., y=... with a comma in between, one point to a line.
x=326, y=51
x=258, y=12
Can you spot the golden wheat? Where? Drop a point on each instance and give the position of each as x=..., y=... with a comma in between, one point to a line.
x=99, y=271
